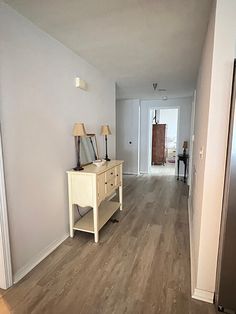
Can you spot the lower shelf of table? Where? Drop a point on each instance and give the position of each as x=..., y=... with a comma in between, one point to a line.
x=105, y=211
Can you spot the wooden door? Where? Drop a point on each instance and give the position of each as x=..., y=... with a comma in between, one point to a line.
x=158, y=144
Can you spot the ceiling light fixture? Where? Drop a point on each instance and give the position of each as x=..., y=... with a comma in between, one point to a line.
x=81, y=83
x=154, y=86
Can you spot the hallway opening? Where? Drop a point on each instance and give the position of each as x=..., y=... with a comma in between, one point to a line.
x=164, y=138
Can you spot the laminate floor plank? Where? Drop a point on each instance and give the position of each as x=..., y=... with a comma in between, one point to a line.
x=141, y=265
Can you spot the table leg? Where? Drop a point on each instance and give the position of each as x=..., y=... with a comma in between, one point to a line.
x=120, y=197
x=95, y=223
x=185, y=168
x=178, y=171
x=71, y=219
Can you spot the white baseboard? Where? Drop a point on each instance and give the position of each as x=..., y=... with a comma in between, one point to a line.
x=130, y=173
x=203, y=295
x=197, y=294
x=38, y=258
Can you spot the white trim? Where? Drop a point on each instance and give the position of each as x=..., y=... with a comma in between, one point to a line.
x=150, y=139
x=177, y=141
x=156, y=98
x=203, y=295
x=191, y=144
x=139, y=135
x=4, y=230
x=192, y=266
x=38, y=258
x=130, y=172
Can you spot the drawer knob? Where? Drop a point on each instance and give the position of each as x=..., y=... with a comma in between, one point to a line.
x=105, y=182
x=117, y=175
x=111, y=184
x=111, y=173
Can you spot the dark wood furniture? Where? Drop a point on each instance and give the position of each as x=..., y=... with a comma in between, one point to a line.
x=184, y=158
x=158, y=144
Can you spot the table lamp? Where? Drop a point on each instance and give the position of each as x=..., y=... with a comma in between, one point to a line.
x=185, y=146
x=78, y=131
x=105, y=130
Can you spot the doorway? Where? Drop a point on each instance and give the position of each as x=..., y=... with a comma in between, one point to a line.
x=164, y=141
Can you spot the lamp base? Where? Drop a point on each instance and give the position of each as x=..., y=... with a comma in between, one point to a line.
x=78, y=168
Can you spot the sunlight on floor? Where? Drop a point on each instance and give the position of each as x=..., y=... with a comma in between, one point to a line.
x=4, y=307
x=167, y=170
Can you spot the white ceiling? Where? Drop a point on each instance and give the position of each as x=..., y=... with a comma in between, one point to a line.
x=134, y=42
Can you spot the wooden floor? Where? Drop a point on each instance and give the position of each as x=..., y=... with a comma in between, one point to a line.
x=141, y=264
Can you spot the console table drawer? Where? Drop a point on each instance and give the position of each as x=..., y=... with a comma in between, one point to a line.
x=110, y=185
x=110, y=174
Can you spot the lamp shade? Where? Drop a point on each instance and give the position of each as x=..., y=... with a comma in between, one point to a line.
x=185, y=145
x=105, y=130
x=79, y=130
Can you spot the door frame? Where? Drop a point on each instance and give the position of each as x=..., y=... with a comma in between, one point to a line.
x=150, y=134
x=6, y=279
x=191, y=145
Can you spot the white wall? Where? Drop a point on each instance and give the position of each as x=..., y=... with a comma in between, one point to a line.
x=200, y=138
x=127, y=130
x=185, y=106
x=211, y=129
x=39, y=105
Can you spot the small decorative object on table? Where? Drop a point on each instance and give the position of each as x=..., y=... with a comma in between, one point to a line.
x=105, y=130
x=78, y=131
x=99, y=162
x=185, y=146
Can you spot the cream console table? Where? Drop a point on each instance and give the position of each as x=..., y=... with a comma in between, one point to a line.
x=92, y=187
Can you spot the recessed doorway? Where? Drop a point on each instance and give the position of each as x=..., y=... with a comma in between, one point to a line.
x=164, y=138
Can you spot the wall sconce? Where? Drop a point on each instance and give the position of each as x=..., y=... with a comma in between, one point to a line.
x=79, y=83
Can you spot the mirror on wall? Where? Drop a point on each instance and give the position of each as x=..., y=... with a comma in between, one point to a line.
x=88, y=149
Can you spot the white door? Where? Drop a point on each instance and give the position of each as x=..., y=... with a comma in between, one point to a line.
x=127, y=134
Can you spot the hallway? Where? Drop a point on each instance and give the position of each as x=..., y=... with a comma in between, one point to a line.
x=141, y=264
